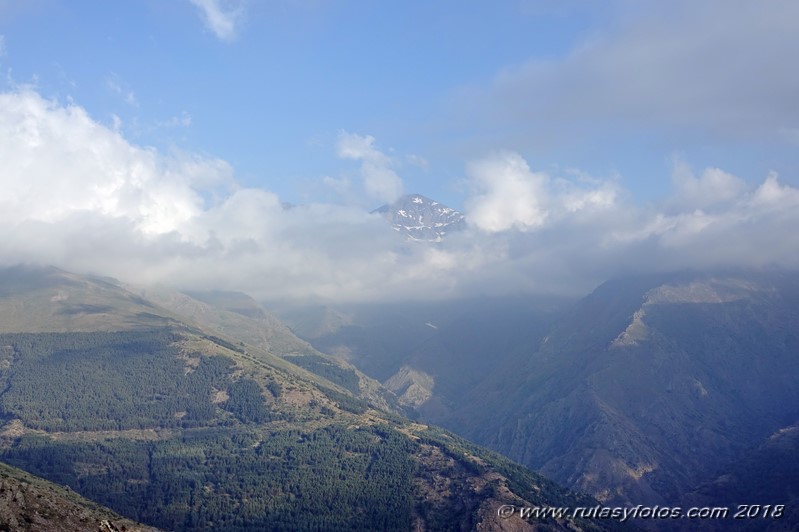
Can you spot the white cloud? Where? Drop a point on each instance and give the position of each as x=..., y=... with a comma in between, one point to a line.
x=506, y=194
x=540, y=232
x=116, y=86
x=713, y=187
x=771, y=193
x=116, y=123
x=575, y=199
x=379, y=180
x=58, y=161
x=221, y=17
x=77, y=194
x=755, y=228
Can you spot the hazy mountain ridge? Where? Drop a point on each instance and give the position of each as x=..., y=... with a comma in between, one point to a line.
x=230, y=312
x=444, y=347
x=52, y=300
x=639, y=393
x=648, y=385
x=187, y=429
x=239, y=316
x=422, y=219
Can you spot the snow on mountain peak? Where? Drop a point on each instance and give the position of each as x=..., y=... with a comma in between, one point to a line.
x=421, y=218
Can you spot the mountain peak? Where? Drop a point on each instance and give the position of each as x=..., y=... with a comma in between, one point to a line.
x=421, y=218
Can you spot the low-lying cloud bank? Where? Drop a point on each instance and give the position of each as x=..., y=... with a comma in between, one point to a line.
x=78, y=195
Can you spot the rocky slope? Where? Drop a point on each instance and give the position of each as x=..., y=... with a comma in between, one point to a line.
x=32, y=504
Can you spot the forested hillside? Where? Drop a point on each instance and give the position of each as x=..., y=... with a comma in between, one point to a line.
x=185, y=428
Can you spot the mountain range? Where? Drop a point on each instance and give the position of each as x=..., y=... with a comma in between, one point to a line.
x=181, y=426
x=661, y=389
x=649, y=385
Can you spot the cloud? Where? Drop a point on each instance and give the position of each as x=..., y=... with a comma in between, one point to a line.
x=116, y=123
x=184, y=120
x=379, y=180
x=745, y=228
x=506, y=194
x=771, y=193
x=722, y=67
x=221, y=17
x=713, y=187
x=418, y=161
x=116, y=86
x=76, y=194
x=541, y=232
x=60, y=162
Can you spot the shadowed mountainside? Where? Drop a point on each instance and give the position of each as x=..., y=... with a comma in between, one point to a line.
x=429, y=353
x=648, y=386
x=660, y=389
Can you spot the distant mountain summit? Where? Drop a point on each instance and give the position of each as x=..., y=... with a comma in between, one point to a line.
x=421, y=218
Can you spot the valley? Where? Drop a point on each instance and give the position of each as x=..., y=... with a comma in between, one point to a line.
x=182, y=427
x=661, y=389
x=206, y=411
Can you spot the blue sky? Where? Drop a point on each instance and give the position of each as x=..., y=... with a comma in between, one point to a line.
x=632, y=125
x=271, y=96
